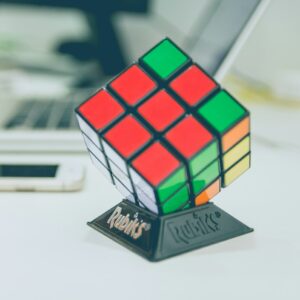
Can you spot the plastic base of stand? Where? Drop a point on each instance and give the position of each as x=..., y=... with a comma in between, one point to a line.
x=158, y=237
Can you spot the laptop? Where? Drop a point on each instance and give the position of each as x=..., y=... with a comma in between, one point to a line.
x=39, y=121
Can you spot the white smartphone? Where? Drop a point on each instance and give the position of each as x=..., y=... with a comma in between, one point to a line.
x=41, y=177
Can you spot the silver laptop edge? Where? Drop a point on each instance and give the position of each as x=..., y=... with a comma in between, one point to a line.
x=235, y=49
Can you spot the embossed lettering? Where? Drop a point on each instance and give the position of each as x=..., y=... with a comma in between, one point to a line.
x=131, y=227
x=194, y=228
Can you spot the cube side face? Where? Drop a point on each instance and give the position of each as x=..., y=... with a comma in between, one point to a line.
x=105, y=171
x=178, y=201
x=142, y=187
x=206, y=177
x=165, y=133
x=123, y=190
x=110, y=171
x=96, y=151
x=236, y=171
x=88, y=130
x=233, y=136
x=115, y=157
x=121, y=176
x=208, y=193
x=170, y=185
x=236, y=153
x=204, y=158
x=231, y=122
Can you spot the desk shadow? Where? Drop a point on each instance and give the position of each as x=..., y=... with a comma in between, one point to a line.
x=97, y=238
x=241, y=243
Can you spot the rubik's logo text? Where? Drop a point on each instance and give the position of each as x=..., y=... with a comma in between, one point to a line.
x=165, y=133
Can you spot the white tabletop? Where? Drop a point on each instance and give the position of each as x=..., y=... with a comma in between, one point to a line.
x=48, y=251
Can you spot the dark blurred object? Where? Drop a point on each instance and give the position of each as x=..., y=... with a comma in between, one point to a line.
x=104, y=44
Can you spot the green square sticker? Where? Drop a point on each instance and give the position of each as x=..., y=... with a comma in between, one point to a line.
x=165, y=58
x=176, y=201
x=204, y=178
x=222, y=111
x=172, y=184
x=204, y=158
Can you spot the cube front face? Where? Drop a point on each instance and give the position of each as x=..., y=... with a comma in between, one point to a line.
x=208, y=193
x=165, y=133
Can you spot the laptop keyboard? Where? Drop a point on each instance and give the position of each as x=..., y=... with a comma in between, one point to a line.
x=46, y=114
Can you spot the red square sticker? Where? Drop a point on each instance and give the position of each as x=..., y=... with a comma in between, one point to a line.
x=149, y=163
x=161, y=110
x=193, y=85
x=133, y=85
x=101, y=109
x=127, y=136
x=189, y=136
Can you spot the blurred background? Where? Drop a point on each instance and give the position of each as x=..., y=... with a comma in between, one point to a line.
x=54, y=54
x=61, y=51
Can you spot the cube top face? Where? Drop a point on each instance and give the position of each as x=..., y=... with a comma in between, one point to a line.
x=128, y=136
x=161, y=110
x=149, y=163
x=189, y=136
x=165, y=59
x=222, y=112
x=133, y=85
x=193, y=85
x=101, y=110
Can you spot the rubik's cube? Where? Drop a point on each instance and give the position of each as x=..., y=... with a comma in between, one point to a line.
x=165, y=133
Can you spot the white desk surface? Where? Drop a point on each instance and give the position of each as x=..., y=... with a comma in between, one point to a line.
x=48, y=252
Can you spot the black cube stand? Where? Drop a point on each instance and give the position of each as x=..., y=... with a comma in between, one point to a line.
x=159, y=237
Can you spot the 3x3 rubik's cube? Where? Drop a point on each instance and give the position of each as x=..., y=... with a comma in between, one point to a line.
x=165, y=133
